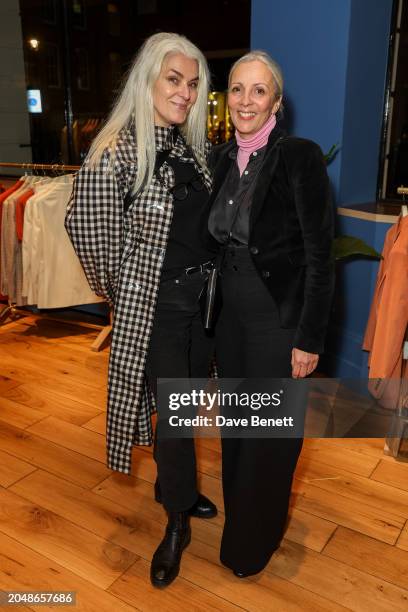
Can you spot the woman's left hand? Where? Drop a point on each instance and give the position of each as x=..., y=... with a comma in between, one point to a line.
x=303, y=363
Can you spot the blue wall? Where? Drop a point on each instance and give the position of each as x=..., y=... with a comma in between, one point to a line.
x=309, y=39
x=334, y=58
x=364, y=102
x=355, y=283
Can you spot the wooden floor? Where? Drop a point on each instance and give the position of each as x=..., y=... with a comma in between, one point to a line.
x=69, y=523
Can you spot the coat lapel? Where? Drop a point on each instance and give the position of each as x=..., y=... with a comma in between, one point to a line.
x=266, y=173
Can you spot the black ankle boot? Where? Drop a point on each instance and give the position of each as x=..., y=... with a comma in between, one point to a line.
x=166, y=560
x=203, y=507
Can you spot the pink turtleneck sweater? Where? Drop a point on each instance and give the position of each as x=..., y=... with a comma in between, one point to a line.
x=257, y=141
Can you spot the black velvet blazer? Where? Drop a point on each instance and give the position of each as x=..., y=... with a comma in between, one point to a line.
x=291, y=232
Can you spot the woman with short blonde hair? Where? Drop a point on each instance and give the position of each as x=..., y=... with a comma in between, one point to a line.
x=271, y=214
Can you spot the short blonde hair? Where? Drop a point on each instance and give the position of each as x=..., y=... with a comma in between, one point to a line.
x=262, y=56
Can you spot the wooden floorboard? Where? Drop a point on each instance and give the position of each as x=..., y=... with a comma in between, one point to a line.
x=377, y=558
x=67, y=522
x=45, y=401
x=52, y=457
x=24, y=569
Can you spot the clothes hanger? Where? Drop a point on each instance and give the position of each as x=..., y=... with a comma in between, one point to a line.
x=404, y=207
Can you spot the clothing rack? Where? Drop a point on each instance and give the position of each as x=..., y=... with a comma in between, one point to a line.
x=11, y=311
x=29, y=166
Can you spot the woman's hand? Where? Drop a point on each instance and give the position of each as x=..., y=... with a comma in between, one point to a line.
x=303, y=363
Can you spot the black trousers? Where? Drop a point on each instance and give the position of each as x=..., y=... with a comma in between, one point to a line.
x=179, y=348
x=257, y=473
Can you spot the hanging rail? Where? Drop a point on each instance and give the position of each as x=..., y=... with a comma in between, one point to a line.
x=28, y=166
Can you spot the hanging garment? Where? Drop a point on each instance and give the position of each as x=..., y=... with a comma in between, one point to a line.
x=388, y=319
x=19, y=220
x=17, y=256
x=53, y=275
x=9, y=261
x=3, y=197
x=29, y=243
x=20, y=208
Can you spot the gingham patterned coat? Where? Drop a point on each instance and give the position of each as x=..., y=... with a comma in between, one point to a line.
x=122, y=256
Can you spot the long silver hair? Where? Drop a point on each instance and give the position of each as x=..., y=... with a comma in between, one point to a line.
x=135, y=102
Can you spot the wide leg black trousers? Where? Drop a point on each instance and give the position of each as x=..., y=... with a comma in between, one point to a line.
x=179, y=348
x=257, y=473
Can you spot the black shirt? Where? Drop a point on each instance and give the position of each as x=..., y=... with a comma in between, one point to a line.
x=189, y=243
x=229, y=216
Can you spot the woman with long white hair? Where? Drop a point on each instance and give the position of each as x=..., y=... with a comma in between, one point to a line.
x=138, y=222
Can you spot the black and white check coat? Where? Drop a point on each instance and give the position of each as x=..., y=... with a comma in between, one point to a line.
x=122, y=256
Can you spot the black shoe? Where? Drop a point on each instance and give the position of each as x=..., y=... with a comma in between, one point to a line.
x=243, y=574
x=166, y=560
x=203, y=507
x=239, y=574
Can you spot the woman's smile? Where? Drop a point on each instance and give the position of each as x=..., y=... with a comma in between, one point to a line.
x=252, y=97
x=246, y=115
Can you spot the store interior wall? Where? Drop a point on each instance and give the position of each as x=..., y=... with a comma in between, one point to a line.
x=310, y=42
x=334, y=59
x=14, y=120
x=355, y=284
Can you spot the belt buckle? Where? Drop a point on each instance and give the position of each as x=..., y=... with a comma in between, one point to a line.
x=190, y=270
x=206, y=267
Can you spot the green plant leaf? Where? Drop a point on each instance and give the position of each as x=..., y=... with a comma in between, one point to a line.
x=331, y=154
x=349, y=246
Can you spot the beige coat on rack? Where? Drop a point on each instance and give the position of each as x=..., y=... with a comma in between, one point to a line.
x=53, y=275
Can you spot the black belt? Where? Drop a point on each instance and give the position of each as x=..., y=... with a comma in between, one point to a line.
x=234, y=244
